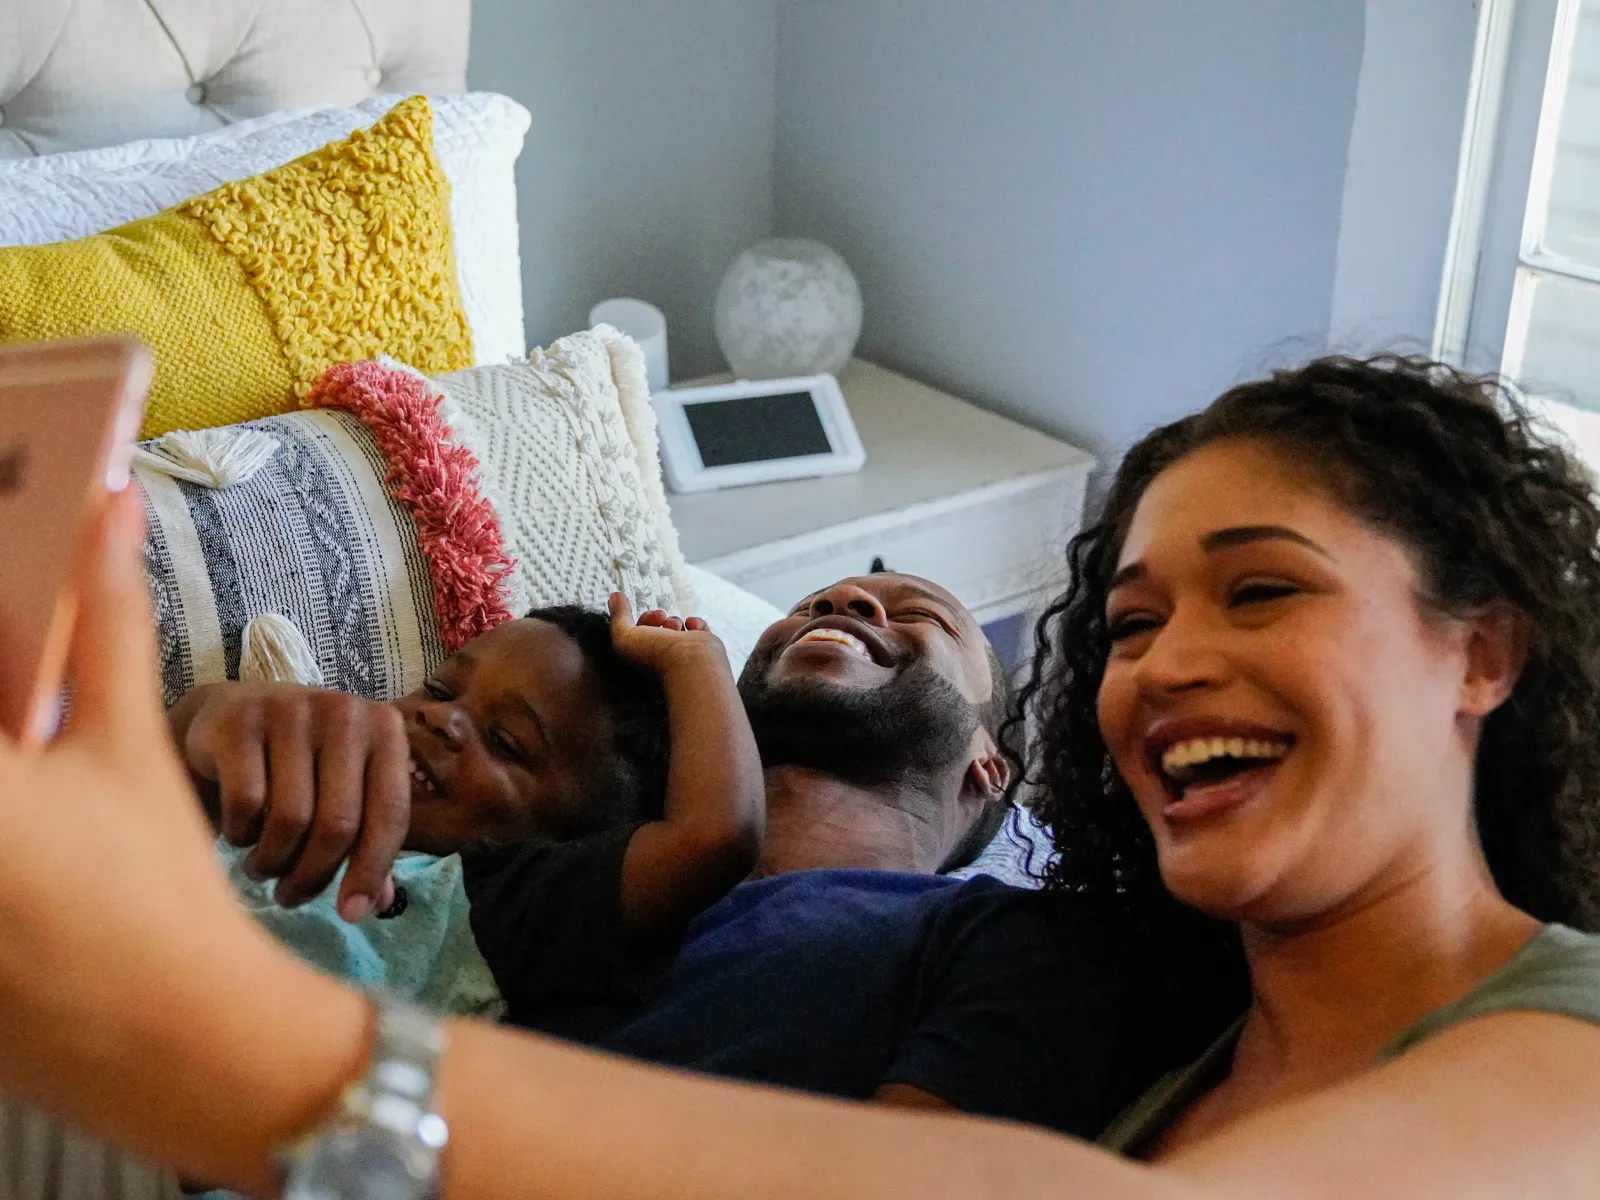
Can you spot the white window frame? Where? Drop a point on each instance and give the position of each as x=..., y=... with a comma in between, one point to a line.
x=1531, y=254
x=1469, y=216
x=1503, y=177
x=1506, y=95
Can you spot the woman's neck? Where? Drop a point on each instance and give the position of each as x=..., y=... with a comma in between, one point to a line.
x=1329, y=993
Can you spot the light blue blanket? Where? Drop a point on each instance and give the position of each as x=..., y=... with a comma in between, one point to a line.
x=427, y=954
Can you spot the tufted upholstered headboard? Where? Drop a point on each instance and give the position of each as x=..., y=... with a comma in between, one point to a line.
x=82, y=73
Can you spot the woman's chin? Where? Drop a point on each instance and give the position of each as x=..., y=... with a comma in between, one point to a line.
x=1223, y=848
x=1229, y=882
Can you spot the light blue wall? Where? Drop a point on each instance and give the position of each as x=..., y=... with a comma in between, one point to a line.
x=1400, y=185
x=649, y=163
x=1090, y=214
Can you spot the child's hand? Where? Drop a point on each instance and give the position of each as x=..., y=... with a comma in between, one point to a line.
x=659, y=641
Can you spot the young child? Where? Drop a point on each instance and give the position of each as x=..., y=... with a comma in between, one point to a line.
x=551, y=729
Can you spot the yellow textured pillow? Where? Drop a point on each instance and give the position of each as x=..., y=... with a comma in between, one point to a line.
x=249, y=292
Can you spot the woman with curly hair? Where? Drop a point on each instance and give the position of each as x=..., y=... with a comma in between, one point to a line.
x=1314, y=720
x=1328, y=671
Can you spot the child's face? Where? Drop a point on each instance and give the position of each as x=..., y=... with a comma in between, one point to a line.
x=504, y=737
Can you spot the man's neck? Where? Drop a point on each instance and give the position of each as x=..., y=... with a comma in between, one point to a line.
x=819, y=820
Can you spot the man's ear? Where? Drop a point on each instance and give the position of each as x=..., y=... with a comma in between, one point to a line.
x=988, y=771
x=1498, y=638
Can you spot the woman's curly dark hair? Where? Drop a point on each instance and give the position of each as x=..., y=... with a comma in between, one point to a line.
x=1489, y=507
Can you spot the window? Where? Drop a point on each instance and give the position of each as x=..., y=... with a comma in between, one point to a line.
x=1521, y=292
x=1552, y=343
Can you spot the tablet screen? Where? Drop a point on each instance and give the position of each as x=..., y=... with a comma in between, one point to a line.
x=757, y=429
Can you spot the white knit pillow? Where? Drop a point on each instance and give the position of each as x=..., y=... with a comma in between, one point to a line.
x=566, y=445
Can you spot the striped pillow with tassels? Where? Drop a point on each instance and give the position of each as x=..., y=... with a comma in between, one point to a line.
x=347, y=545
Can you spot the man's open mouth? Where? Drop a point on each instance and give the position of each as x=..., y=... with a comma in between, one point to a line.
x=855, y=637
x=849, y=641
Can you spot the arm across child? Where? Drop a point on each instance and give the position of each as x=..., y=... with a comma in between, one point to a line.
x=308, y=779
x=552, y=728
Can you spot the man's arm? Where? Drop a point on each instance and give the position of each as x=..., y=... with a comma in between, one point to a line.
x=306, y=777
x=1021, y=1010
x=715, y=812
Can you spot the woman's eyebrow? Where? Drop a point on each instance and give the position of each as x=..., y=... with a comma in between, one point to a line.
x=1225, y=539
x=1241, y=535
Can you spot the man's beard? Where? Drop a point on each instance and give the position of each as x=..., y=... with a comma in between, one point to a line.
x=913, y=727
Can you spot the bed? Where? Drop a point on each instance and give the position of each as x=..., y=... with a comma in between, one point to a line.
x=98, y=75
x=121, y=84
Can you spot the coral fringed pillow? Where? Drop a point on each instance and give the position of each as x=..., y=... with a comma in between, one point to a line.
x=436, y=480
x=347, y=546
x=249, y=292
x=565, y=454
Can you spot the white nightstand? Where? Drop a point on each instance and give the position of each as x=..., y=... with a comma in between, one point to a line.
x=958, y=495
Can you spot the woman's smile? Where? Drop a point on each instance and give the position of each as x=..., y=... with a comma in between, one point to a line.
x=1210, y=765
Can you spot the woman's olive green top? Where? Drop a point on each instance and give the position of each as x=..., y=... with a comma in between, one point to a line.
x=1556, y=971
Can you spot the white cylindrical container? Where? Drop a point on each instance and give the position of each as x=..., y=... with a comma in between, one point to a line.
x=645, y=324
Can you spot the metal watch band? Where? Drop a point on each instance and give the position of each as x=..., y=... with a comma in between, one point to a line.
x=398, y=1087
x=384, y=1133
x=405, y=1033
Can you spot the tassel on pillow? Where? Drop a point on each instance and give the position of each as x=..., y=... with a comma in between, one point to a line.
x=213, y=458
x=275, y=651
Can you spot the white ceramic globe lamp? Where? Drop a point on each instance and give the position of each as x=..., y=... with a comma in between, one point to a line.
x=788, y=306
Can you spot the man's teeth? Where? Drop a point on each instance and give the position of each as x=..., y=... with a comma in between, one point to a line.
x=1180, y=758
x=421, y=777
x=838, y=635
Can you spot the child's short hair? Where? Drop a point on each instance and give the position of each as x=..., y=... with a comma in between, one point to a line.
x=633, y=784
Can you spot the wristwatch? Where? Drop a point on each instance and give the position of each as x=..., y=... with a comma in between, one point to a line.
x=383, y=1140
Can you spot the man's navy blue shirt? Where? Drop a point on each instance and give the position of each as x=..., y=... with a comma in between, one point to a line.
x=996, y=1000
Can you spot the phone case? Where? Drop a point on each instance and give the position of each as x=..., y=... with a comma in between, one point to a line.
x=69, y=413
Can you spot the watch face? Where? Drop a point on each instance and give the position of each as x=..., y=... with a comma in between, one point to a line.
x=359, y=1164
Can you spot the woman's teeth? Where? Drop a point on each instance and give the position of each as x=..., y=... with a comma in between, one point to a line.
x=844, y=639
x=421, y=777
x=1180, y=759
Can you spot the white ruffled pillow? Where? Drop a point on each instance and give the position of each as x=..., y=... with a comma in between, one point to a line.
x=60, y=197
x=568, y=457
x=567, y=454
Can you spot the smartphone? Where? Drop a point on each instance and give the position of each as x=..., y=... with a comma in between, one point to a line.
x=69, y=413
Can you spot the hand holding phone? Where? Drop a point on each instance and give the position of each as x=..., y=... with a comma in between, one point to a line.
x=69, y=412
x=124, y=955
